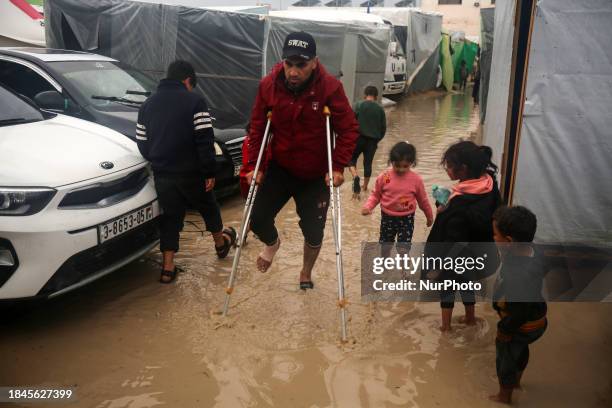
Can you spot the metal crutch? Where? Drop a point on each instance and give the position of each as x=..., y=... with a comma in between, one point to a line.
x=336, y=222
x=246, y=215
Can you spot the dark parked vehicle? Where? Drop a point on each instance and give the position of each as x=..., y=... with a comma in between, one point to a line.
x=102, y=90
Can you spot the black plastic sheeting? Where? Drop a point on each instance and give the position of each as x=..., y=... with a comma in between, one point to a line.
x=401, y=34
x=226, y=49
x=487, y=21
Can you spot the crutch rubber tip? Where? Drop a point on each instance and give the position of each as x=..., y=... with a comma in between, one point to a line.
x=229, y=290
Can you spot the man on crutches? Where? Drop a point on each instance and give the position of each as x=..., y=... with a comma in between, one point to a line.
x=296, y=92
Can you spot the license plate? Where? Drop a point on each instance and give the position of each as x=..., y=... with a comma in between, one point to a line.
x=237, y=169
x=125, y=223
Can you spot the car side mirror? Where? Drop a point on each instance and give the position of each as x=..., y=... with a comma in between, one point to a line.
x=51, y=100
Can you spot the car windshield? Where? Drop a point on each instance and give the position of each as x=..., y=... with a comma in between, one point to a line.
x=14, y=110
x=105, y=82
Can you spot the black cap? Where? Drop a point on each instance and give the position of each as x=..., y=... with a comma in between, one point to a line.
x=299, y=44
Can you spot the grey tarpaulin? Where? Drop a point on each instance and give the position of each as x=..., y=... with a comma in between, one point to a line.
x=423, y=34
x=564, y=151
x=225, y=48
x=81, y=17
x=348, y=42
x=563, y=169
x=494, y=130
x=329, y=37
x=418, y=32
x=427, y=77
x=230, y=51
x=426, y=32
x=487, y=24
x=372, y=46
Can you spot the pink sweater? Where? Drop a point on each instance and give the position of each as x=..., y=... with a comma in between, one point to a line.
x=399, y=194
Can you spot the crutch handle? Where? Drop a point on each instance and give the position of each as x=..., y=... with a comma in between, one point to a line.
x=269, y=114
x=326, y=111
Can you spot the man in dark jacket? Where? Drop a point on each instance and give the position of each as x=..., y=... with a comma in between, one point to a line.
x=174, y=132
x=296, y=91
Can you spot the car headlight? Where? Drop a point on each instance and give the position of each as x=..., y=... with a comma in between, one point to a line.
x=218, y=151
x=24, y=201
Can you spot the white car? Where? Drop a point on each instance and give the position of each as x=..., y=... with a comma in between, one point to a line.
x=77, y=201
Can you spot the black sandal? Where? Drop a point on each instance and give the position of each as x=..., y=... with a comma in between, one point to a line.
x=223, y=250
x=356, y=185
x=168, y=274
x=306, y=285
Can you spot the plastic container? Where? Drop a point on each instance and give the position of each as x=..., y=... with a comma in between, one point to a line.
x=440, y=194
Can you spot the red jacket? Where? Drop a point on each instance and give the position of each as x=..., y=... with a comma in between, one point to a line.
x=298, y=124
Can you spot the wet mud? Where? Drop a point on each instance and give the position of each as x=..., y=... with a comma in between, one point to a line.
x=128, y=342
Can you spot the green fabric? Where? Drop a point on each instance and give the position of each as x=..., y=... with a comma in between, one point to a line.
x=36, y=2
x=372, y=119
x=463, y=51
x=446, y=63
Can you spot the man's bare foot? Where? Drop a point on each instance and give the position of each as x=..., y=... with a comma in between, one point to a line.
x=264, y=260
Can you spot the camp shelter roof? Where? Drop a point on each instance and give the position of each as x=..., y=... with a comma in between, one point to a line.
x=230, y=51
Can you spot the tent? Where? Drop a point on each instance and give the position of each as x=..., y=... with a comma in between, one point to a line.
x=230, y=51
x=418, y=33
x=556, y=147
x=487, y=24
x=427, y=77
x=366, y=38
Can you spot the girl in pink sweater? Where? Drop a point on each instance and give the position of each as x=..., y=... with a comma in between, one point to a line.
x=399, y=190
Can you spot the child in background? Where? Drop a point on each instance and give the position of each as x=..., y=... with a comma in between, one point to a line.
x=467, y=215
x=399, y=190
x=522, y=314
x=463, y=72
x=372, y=128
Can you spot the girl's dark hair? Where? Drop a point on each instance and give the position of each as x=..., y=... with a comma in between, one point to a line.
x=403, y=151
x=477, y=159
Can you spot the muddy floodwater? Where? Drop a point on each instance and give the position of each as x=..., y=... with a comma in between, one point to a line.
x=128, y=342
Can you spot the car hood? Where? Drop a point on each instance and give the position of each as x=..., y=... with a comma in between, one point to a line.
x=61, y=151
x=123, y=122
